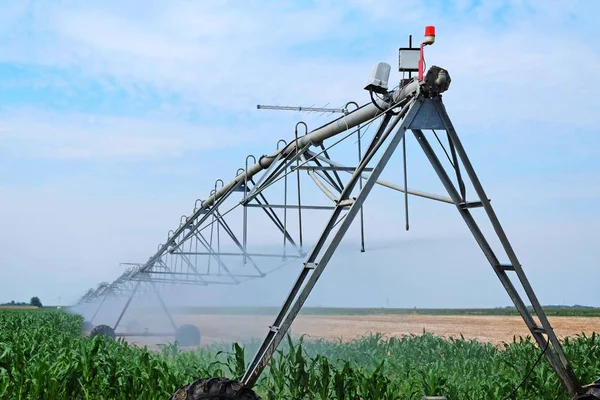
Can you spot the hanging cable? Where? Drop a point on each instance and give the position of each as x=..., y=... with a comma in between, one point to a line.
x=388, y=111
x=443, y=148
x=454, y=163
x=461, y=184
x=375, y=103
x=529, y=373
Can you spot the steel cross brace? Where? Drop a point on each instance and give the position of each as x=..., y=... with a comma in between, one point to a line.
x=423, y=113
x=202, y=240
x=197, y=225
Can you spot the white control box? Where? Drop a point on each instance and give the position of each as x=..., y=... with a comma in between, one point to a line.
x=408, y=59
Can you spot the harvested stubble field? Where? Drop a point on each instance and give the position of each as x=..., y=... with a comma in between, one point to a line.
x=18, y=308
x=494, y=329
x=229, y=325
x=43, y=355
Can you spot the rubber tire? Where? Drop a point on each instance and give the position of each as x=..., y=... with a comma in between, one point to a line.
x=103, y=330
x=188, y=335
x=214, y=389
x=87, y=326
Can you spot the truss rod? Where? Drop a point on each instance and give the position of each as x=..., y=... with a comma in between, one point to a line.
x=230, y=254
x=270, y=174
x=337, y=186
x=189, y=224
x=291, y=206
x=390, y=185
x=331, y=168
x=237, y=242
x=183, y=281
x=196, y=226
x=339, y=181
x=192, y=274
x=189, y=264
x=209, y=248
x=273, y=216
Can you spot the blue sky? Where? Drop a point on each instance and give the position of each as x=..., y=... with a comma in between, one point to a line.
x=116, y=116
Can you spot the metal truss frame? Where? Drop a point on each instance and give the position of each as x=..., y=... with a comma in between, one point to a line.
x=412, y=108
x=423, y=113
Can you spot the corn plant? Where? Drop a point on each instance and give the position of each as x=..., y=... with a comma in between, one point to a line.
x=43, y=355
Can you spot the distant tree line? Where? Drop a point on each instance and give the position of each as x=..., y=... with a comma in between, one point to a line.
x=35, y=301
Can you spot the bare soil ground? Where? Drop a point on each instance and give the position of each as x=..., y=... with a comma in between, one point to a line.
x=494, y=329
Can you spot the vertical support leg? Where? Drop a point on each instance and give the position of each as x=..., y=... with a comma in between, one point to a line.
x=299, y=201
x=135, y=289
x=405, y=182
x=571, y=377
x=99, y=307
x=245, y=219
x=298, y=181
x=218, y=239
x=212, y=229
x=360, y=186
x=284, y=213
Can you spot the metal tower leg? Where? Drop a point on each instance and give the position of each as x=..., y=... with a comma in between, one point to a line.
x=164, y=306
x=500, y=269
x=135, y=289
x=99, y=307
x=315, y=266
x=554, y=352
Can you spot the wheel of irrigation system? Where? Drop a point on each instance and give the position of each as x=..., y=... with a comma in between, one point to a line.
x=188, y=335
x=592, y=392
x=103, y=330
x=214, y=389
x=87, y=326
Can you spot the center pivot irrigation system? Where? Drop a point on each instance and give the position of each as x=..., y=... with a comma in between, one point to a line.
x=201, y=249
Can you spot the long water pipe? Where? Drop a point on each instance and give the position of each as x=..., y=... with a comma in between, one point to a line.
x=364, y=113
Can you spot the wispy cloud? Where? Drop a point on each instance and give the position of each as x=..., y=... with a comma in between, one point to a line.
x=234, y=56
x=38, y=133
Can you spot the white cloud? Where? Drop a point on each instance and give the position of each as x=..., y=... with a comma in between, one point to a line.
x=39, y=133
x=235, y=56
x=212, y=53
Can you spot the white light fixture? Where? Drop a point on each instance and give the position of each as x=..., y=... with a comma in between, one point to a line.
x=379, y=78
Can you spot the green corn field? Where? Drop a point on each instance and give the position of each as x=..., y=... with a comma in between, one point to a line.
x=43, y=355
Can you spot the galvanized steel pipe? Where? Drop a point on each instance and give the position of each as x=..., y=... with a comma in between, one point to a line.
x=315, y=137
